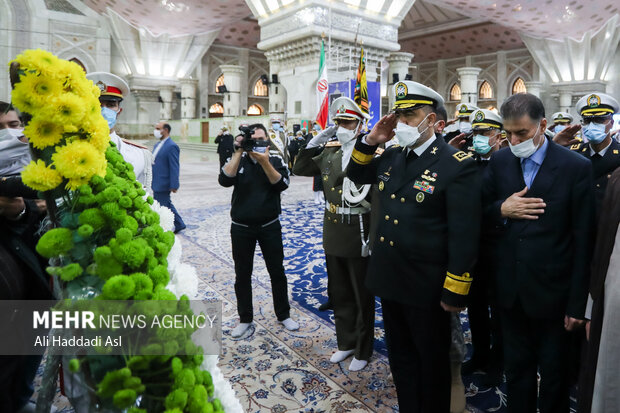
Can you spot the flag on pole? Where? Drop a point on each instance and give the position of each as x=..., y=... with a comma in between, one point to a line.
x=361, y=86
x=322, y=90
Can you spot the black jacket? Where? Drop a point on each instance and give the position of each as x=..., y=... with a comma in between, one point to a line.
x=602, y=168
x=429, y=223
x=255, y=201
x=544, y=262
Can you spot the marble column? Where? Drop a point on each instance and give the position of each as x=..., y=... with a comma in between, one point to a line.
x=566, y=100
x=468, y=77
x=166, y=93
x=533, y=87
x=188, y=98
x=399, y=64
x=277, y=99
x=232, y=80
x=501, y=91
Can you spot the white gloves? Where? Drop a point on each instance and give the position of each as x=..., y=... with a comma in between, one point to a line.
x=322, y=137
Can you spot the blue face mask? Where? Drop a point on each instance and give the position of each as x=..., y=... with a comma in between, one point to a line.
x=595, y=132
x=109, y=115
x=481, y=144
x=317, y=127
x=559, y=128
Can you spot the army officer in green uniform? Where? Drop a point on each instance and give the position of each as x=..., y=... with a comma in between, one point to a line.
x=426, y=242
x=345, y=231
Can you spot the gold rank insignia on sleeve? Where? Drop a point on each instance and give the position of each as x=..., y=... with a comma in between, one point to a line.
x=361, y=158
x=574, y=147
x=461, y=156
x=458, y=284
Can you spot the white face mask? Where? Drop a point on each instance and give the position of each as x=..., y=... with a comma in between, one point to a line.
x=525, y=149
x=345, y=135
x=409, y=135
x=157, y=133
x=8, y=133
x=465, y=127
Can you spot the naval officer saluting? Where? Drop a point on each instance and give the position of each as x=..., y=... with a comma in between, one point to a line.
x=426, y=242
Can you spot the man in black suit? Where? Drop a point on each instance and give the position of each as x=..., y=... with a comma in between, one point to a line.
x=540, y=195
x=424, y=248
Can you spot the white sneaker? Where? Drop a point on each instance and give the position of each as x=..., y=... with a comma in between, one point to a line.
x=357, y=365
x=240, y=329
x=340, y=355
x=290, y=324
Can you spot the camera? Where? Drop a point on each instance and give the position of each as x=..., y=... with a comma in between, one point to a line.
x=252, y=145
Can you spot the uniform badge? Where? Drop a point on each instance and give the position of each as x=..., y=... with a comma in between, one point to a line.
x=584, y=149
x=342, y=109
x=419, y=197
x=574, y=147
x=434, y=151
x=424, y=187
x=594, y=101
x=461, y=156
x=381, y=186
x=102, y=86
x=427, y=176
x=615, y=152
x=401, y=90
x=479, y=116
x=325, y=177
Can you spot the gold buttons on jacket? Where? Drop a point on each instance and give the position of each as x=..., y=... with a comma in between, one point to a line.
x=340, y=191
x=387, y=217
x=402, y=200
x=381, y=239
x=335, y=221
x=333, y=189
x=393, y=196
x=391, y=243
x=395, y=222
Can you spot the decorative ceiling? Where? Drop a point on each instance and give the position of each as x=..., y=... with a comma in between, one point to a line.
x=430, y=30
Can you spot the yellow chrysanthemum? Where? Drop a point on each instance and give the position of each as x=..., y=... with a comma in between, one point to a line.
x=39, y=87
x=73, y=184
x=79, y=160
x=40, y=177
x=43, y=133
x=66, y=109
x=42, y=61
x=25, y=101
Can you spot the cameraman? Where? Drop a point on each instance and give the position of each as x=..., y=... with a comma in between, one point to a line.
x=258, y=178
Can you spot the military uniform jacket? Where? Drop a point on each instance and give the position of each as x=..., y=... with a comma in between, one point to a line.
x=602, y=168
x=341, y=233
x=429, y=222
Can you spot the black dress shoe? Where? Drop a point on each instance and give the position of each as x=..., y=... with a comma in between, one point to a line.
x=327, y=305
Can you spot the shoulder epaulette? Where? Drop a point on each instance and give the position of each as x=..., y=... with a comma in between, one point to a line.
x=461, y=156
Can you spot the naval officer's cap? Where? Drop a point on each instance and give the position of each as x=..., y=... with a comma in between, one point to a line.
x=413, y=95
x=485, y=119
x=465, y=110
x=562, y=117
x=596, y=104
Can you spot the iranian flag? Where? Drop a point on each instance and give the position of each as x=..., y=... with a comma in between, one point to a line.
x=321, y=90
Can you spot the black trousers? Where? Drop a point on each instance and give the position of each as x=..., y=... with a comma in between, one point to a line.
x=418, y=343
x=486, y=332
x=269, y=239
x=534, y=345
x=354, y=305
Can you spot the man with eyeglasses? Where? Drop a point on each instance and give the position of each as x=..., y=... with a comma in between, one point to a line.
x=597, y=110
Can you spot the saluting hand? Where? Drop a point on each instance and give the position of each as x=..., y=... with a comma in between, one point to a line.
x=458, y=141
x=566, y=136
x=516, y=206
x=383, y=130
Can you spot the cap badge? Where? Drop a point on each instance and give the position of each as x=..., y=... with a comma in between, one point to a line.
x=342, y=109
x=401, y=90
x=479, y=116
x=463, y=108
x=594, y=101
x=560, y=116
x=102, y=86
